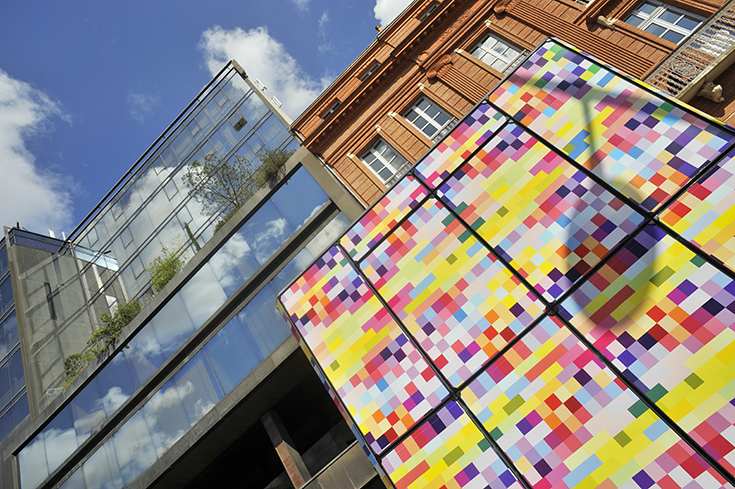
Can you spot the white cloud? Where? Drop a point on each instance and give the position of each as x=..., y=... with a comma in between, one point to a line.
x=264, y=58
x=37, y=198
x=325, y=46
x=387, y=10
x=141, y=105
x=301, y=4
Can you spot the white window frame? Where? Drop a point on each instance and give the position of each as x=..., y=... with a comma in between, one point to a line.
x=645, y=21
x=383, y=160
x=493, y=51
x=433, y=126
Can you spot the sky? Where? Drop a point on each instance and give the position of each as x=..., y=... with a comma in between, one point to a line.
x=87, y=86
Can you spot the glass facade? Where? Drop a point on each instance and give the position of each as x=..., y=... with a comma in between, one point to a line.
x=546, y=299
x=150, y=209
x=52, y=305
x=220, y=364
x=153, y=207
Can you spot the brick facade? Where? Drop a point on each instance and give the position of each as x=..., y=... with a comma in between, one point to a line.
x=432, y=58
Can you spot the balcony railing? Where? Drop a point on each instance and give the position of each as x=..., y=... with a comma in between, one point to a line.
x=698, y=52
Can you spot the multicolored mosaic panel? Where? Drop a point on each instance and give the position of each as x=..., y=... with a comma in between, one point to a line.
x=672, y=334
x=448, y=450
x=705, y=214
x=566, y=421
x=640, y=143
x=380, y=376
x=470, y=134
x=382, y=217
x=519, y=311
x=549, y=220
x=455, y=298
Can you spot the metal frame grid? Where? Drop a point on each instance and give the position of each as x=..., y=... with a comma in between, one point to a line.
x=546, y=300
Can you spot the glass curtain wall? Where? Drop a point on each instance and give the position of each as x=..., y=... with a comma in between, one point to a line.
x=154, y=209
x=249, y=337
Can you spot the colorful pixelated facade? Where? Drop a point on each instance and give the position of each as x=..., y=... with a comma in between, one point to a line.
x=546, y=300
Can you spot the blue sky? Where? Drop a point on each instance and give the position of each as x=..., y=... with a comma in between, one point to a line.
x=87, y=86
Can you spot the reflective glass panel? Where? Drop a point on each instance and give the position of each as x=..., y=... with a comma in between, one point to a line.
x=96, y=471
x=87, y=411
x=32, y=461
x=203, y=295
x=10, y=332
x=166, y=418
x=197, y=387
x=172, y=326
x=232, y=355
x=115, y=384
x=262, y=321
x=6, y=424
x=266, y=231
x=15, y=370
x=143, y=354
x=134, y=448
x=60, y=438
x=76, y=481
x=233, y=263
x=6, y=296
x=299, y=198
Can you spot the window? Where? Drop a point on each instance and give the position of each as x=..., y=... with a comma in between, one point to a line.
x=383, y=160
x=428, y=13
x=664, y=21
x=193, y=128
x=370, y=71
x=428, y=118
x=497, y=53
x=331, y=110
x=237, y=120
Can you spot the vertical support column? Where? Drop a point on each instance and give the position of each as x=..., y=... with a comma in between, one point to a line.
x=290, y=458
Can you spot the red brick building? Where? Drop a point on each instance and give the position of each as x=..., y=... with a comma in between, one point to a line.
x=440, y=57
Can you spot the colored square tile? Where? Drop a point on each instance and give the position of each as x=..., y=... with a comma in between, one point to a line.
x=383, y=216
x=447, y=450
x=666, y=319
x=382, y=379
x=470, y=134
x=566, y=421
x=456, y=299
x=550, y=221
x=705, y=214
x=639, y=142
